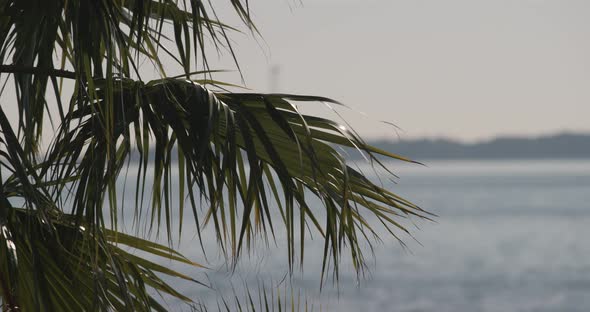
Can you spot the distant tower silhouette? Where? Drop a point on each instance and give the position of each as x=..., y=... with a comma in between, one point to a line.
x=275, y=72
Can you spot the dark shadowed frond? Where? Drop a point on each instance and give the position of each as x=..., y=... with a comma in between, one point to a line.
x=51, y=260
x=100, y=39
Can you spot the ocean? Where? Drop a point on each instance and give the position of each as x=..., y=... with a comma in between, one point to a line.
x=509, y=236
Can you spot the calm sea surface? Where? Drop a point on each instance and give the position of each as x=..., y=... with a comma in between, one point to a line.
x=510, y=236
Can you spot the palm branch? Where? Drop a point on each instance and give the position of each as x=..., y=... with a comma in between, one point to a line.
x=251, y=157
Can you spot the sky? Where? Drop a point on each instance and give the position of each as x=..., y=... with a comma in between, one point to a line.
x=468, y=70
x=463, y=69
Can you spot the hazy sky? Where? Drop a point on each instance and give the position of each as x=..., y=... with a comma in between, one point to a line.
x=465, y=69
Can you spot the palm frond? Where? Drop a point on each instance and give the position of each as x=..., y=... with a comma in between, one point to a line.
x=230, y=147
x=100, y=39
x=254, y=159
x=67, y=268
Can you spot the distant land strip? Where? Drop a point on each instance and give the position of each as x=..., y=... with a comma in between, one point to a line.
x=563, y=145
x=558, y=146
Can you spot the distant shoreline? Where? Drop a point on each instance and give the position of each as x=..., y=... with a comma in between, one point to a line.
x=552, y=147
x=559, y=146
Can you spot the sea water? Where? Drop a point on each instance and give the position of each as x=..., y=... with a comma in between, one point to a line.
x=509, y=236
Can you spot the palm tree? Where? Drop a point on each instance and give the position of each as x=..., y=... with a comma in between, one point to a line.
x=77, y=65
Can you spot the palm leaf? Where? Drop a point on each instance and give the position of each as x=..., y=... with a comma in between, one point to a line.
x=210, y=130
x=254, y=159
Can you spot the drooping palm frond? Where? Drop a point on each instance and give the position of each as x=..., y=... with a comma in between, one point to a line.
x=228, y=144
x=253, y=158
x=69, y=269
x=50, y=260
